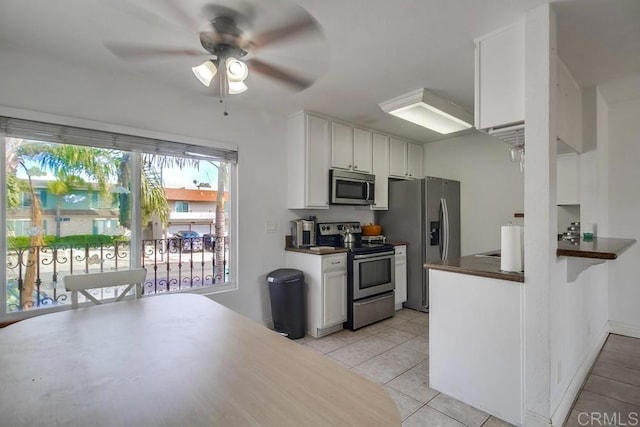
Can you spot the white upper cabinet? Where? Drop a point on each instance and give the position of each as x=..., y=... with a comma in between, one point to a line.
x=499, y=85
x=308, y=148
x=350, y=148
x=381, y=171
x=415, y=152
x=341, y=146
x=405, y=159
x=397, y=158
x=362, y=150
x=569, y=111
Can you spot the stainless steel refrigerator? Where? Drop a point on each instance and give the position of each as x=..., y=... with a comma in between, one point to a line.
x=426, y=214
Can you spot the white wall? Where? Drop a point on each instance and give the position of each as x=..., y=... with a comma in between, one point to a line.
x=491, y=186
x=624, y=209
x=50, y=86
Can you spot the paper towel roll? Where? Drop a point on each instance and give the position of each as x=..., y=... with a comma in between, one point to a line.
x=511, y=248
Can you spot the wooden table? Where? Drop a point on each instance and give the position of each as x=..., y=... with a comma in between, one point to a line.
x=174, y=360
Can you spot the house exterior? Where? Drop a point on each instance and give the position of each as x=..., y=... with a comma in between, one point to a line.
x=192, y=209
x=87, y=212
x=84, y=211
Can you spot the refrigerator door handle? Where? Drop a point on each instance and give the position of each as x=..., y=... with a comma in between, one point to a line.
x=441, y=229
x=445, y=217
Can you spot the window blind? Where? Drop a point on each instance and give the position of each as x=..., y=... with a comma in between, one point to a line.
x=50, y=132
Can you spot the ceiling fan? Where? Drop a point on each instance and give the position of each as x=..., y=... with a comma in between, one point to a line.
x=227, y=39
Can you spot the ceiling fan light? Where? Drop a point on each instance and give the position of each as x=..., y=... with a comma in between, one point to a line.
x=205, y=72
x=237, y=71
x=236, y=87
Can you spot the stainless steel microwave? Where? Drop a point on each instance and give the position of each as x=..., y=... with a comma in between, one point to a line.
x=351, y=188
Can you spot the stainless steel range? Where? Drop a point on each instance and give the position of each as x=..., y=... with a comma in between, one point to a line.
x=371, y=273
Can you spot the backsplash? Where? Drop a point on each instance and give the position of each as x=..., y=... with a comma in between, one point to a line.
x=337, y=213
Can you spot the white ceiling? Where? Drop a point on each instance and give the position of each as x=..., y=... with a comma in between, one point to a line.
x=372, y=50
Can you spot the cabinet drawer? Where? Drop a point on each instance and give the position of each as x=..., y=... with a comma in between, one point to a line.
x=401, y=251
x=334, y=262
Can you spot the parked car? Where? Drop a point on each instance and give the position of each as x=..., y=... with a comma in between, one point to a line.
x=188, y=240
x=209, y=241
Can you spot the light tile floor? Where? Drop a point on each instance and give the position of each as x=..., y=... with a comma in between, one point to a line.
x=395, y=354
x=611, y=393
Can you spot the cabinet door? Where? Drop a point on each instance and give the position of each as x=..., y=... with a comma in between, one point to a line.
x=401, y=276
x=317, y=163
x=362, y=150
x=397, y=158
x=569, y=108
x=499, y=88
x=334, y=297
x=414, y=160
x=381, y=171
x=341, y=146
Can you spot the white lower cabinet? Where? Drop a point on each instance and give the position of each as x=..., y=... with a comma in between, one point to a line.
x=401, y=276
x=326, y=288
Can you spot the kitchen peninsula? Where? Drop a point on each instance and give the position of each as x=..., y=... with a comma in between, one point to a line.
x=476, y=324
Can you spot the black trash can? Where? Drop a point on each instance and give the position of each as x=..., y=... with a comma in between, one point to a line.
x=288, y=303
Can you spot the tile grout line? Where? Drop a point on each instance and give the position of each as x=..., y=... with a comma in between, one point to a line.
x=613, y=379
x=610, y=397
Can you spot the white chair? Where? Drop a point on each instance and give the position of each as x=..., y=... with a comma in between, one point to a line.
x=84, y=282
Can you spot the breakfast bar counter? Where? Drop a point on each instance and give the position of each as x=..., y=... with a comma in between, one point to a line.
x=598, y=248
x=476, y=265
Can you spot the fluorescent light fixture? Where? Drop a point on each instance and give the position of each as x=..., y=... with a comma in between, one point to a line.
x=205, y=72
x=429, y=110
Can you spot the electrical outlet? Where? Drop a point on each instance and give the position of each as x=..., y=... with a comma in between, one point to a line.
x=271, y=227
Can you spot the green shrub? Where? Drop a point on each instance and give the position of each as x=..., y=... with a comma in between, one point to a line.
x=22, y=242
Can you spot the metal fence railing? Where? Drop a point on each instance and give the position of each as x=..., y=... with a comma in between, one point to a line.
x=174, y=264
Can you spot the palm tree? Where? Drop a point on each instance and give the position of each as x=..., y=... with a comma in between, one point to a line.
x=65, y=161
x=14, y=161
x=220, y=224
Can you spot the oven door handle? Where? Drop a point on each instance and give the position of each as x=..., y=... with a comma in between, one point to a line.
x=373, y=256
x=369, y=301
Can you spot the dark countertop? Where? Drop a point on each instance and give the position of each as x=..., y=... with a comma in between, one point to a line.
x=599, y=248
x=325, y=250
x=399, y=243
x=483, y=266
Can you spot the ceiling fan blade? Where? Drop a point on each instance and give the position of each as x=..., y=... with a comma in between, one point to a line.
x=306, y=23
x=145, y=15
x=145, y=52
x=297, y=82
x=187, y=20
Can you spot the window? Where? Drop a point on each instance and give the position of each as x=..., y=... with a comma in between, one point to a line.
x=22, y=227
x=112, y=212
x=182, y=206
x=109, y=227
